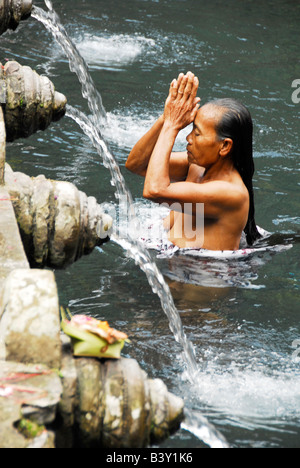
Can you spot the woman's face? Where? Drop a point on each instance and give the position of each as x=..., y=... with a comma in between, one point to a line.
x=203, y=143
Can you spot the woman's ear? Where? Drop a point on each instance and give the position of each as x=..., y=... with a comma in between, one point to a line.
x=226, y=147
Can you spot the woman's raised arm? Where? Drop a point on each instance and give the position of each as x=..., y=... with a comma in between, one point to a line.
x=140, y=154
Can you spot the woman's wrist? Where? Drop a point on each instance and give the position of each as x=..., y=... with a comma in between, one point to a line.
x=171, y=127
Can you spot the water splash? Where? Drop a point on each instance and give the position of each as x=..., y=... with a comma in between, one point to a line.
x=113, y=51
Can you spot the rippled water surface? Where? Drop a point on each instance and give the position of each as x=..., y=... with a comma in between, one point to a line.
x=242, y=316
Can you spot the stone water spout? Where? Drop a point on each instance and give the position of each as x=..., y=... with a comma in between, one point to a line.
x=115, y=405
x=12, y=12
x=30, y=102
x=58, y=223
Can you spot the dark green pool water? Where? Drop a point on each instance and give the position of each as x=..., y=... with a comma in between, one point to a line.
x=242, y=318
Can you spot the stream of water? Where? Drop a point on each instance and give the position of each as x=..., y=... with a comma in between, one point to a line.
x=134, y=248
x=76, y=61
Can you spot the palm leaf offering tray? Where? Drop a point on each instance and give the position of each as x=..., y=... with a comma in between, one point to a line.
x=92, y=337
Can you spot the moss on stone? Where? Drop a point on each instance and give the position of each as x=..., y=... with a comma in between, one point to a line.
x=29, y=429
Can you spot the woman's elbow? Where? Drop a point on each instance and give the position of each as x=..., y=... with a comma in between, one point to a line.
x=129, y=165
x=150, y=193
x=146, y=194
x=132, y=167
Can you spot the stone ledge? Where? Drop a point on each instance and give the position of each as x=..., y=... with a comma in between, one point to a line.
x=29, y=318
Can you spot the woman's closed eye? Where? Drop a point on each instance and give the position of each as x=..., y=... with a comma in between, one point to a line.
x=196, y=131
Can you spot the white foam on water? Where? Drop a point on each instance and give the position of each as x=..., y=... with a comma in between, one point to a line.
x=115, y=50
x=125, y=127
x=105, y=49
x=109, y=50
x=251, y=397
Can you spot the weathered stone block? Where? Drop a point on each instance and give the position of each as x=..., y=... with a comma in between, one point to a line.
x=64, y=434
x=29, y=318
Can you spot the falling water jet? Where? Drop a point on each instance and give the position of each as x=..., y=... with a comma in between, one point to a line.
x=94, y=134
x=52, y=23
x=198, y=425
x=133, y=247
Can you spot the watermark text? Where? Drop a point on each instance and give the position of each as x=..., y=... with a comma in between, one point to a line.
x=186, y=220
x=296, y=93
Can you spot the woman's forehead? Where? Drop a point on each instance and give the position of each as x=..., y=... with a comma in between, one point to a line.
x=208, y=115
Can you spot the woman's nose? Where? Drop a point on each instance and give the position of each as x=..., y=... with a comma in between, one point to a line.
x=189, y=138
